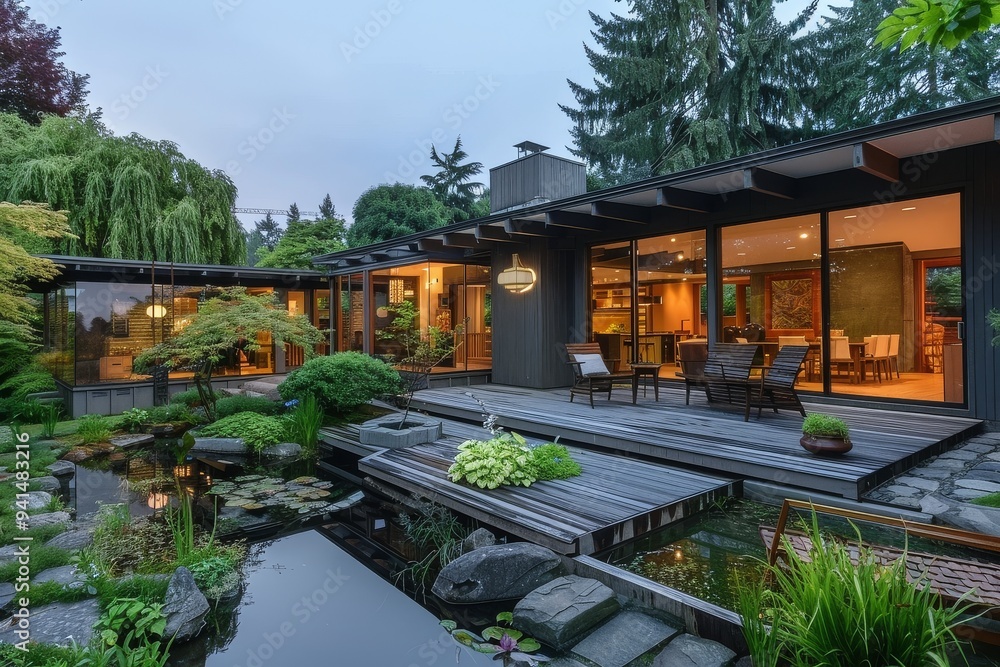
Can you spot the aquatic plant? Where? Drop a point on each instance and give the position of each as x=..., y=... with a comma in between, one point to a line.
x=133, y=420
x=843, y=606
x=435, y=529
x=304, y=421
x=49, y=418
x=511, y=646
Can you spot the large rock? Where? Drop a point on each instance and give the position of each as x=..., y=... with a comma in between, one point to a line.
x=132, y=440
x=219, y=445
x=624, y=638
x=48, y=483
x=38, y=500
x=561, y=611
x=48, y=519
x=73, y=539
x=66, y=575
x=691, y=651
x=283, y=450
x=184, y=606
x=58, y=623
x=61, y=469
x=977, y=518
x=6, y=593
x=500, y=572
x=268, y=389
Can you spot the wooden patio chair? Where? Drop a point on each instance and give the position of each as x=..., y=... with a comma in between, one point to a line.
x=591, y=371
x=724, y=371
x=691, y=355
x=975, y=583
x=777, y=384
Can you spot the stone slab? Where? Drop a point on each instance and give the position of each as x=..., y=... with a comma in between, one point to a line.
x=623, y=639
x=931, y=473
x=691, y=651
x=978, y=485
x=59, y=623
x=983, y=475
x=961, y=454
x=980, y=447
x=48, y=519
x=219, y=445
x=133, y=440
x=72, y=540
x=992, y=466
x=6, y=593
x=901, y=490
x=65, y=575
x=923, y=484
x=48, y=484
x=560, y=612
x=61, y=469
x=946, y=464
x=283, y=450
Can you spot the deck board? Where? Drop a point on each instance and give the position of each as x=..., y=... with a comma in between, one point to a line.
x=615, y=499
x=716, y=438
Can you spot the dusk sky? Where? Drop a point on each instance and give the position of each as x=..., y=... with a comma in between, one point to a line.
x=298, y=99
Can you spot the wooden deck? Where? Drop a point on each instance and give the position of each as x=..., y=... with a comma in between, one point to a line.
x=614, y=500
x=715, y=438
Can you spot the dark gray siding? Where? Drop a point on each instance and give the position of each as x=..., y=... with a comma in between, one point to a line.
x=537, y=176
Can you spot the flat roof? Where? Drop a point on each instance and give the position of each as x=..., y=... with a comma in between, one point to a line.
x=876, y=150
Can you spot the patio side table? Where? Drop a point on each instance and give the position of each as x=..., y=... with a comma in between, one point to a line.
x=644, y=369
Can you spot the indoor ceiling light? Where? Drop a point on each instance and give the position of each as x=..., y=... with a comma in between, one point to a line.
x=909, y=208
x=848, y=217
x=804, y=235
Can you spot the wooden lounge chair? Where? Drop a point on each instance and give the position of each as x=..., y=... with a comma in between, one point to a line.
x=691, y=355
x=591, y=371
x=975, y=583
x=724, y=373
x=777, y=384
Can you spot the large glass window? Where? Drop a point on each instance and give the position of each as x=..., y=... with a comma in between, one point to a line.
x=896, y=296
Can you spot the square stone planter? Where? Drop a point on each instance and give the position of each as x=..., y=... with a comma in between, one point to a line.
x=385, y=432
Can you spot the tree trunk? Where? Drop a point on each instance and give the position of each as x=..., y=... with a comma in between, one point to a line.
x=203, y=383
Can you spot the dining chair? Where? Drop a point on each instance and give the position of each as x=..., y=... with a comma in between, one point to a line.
x=894, y=352
x=791, y=340
x=878, y=355
x=840, y=353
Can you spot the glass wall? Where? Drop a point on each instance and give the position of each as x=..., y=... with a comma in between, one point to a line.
x=896, y=296
x=95, y=330
x=453, y=299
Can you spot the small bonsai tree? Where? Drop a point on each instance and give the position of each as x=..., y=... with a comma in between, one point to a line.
x=230, y=319
x=825, y=426
x=422, y=350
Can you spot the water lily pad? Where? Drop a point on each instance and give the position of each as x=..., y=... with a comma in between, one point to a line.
x=305, y=479
x=238, y=502
x=322, y=484
x=248, y=478
x=254, y=507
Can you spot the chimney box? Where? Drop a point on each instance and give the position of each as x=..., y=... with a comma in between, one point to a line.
x=535, y=177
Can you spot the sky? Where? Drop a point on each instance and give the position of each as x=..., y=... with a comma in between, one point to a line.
x=298, y=99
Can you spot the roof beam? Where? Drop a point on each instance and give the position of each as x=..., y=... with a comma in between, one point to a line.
x=769, y=183
x=573, y=220
x=455, y=240
x=625, y=212
x=875, y=161
x=491, y=233
x=523, y=227
x=430, y=245
x=688, y=200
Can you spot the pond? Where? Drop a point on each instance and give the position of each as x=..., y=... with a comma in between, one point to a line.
x=309, y=602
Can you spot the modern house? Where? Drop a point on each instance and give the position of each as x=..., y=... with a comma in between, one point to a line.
x=883, y=231
x=101, y=313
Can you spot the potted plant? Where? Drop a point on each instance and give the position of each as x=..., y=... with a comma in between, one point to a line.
x=825, y=434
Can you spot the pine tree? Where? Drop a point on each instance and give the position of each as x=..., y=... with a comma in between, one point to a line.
x=270, y=232
x=865, y=84
x=685, y=82
x=293, y=214
x=452, y=184
x=327, y=211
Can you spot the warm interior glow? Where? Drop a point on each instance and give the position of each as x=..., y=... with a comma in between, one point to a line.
x=156, y=310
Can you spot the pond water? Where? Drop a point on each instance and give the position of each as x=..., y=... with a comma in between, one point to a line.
x=309, y=602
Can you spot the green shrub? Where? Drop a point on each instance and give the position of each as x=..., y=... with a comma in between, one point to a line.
x=230, y=405
x=49, y=419
x=505, y=459
x=552, y=461
x=190, y=398
x=174, y=413
x=94, y=428
x=341, y=382
x=256, y=430
x=133, y=420
x=818, y=424
x=130, y=623
x=215, y=576
x=839, y=608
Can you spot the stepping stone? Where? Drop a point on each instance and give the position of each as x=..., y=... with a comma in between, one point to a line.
x=219, y=445
x=72, y=540
x=561, y=611
x=66, y=575
x=134, y=440
x=61, y=469
x=924, y=484
x=9, y=553
x=6, y=594
x=38, y=500
x=500, y=572
x=49, y=519
x=623, y=639
x=978, y=485
x=967, y=494
x=900, y=490
x=931, y=473
x=983, y=475
x=980, y=447
x=47, y=483
x=959, y=454
x=992, y=466
x=909, y=503
x=60, y=622
x=563, y=662
x=691, y=651
x=283, y=450
x=946, y=464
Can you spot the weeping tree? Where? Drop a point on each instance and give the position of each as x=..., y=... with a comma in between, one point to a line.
x=233, y=318
x=126, y=197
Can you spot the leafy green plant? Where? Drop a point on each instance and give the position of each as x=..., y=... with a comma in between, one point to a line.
x=133, y=420
x=438, y=532
x=818, y=424
x=93, y=428
x=505, y=459
x=553, y=461
x=230, y=405
x=49, y=418
x=256, y=430
x=190, y=398
x=341, y=382
x=130, y=622
x=304, y=424
x=214, y=576
x=175, y=413
x=511, y=646
x=843, y=606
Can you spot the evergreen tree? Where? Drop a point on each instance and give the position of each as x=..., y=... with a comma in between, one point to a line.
x=865, y=85
x=304, y=240
x=270, y=232
x=685, y=82
x=293, y=214
x=327, y=211
x=452, y=184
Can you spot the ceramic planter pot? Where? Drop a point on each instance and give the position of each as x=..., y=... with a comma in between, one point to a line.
x=825, y=445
